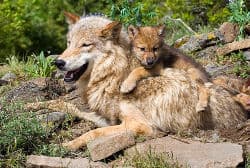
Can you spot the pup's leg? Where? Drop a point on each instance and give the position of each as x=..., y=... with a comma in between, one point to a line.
x=136, y=75
x=60, y=105
x=203, y=97
x=132, y=120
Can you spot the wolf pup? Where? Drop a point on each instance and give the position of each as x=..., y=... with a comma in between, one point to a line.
x=147, y=45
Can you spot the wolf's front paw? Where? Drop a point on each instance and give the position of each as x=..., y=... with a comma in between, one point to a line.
x=127, y=86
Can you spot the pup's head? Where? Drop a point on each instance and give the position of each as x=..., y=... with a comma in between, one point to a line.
x=146, y=43
x=86, y=40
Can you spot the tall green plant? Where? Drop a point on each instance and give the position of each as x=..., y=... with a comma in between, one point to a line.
x=39, y=66
x=239, y=15
x=131, y=12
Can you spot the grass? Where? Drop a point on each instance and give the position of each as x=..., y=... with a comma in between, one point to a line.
x=151, y=159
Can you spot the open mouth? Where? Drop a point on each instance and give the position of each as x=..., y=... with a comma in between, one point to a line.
x=72, y=76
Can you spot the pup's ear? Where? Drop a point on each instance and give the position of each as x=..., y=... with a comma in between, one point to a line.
x=111, y=31
x=161, y=30
x=132, y=31
x=71, y=18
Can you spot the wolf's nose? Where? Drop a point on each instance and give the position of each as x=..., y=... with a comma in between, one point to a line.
x=60, y=63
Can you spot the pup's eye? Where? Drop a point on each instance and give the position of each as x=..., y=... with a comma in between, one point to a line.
x=155, y=49
x=86, y=45
x=142, y=49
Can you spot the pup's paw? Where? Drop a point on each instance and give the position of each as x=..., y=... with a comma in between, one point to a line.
x=127, y=86
x=201, y=107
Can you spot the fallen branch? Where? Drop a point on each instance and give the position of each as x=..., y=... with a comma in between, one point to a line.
x=234, y=46
x=180, y=21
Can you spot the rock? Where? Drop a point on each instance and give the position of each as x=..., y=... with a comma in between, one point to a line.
x=51, y=120
x=26, y=92
x=216, y=70
x=198, y=42
x=247, y=55
x=207, y=53
x=54, y=117
x=104, y=147
x=34, y=161
x=230, y=31
x=9, y=77
x=3, y=82
x=39, y=89
x=194, y=153
x=234, y=46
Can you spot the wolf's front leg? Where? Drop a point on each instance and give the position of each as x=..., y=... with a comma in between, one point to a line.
x=136, y=75
x=132, y=120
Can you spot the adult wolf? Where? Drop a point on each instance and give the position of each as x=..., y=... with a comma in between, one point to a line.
x=98, y=52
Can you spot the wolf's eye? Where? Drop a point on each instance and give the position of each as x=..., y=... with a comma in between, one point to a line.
x=86, y=45
x=155, y=49
x=142, y=49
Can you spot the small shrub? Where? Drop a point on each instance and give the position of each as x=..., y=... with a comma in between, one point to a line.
x=20, y=133
x=136, y=13
x=239, y=62
x=239, y=15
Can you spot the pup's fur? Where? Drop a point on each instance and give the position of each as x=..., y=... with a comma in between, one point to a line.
x=148, y=46
x=157, y=104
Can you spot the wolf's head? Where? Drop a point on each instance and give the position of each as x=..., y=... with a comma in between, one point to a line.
x=86, y=42
x=146, y=43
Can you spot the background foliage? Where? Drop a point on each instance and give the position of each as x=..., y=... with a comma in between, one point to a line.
x=28, y=27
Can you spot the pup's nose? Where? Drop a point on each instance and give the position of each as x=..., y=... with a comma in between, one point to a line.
x=150, y=61
x=60, y=63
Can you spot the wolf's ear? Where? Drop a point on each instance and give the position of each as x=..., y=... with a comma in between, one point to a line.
x=111, y=31
x=161, y=30
x=132, y=31
x=71, y=18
